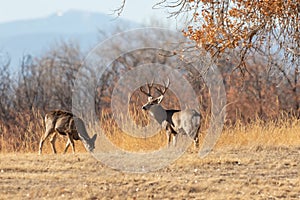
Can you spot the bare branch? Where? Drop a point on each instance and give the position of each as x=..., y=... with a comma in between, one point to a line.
x=119, y=10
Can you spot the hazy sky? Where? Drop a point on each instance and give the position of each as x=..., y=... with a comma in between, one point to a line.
x=136, y=10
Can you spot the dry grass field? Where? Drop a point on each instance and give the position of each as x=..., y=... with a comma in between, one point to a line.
x=258, y=161
x=254, y=173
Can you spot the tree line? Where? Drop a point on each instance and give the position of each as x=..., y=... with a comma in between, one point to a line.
x=265, y=91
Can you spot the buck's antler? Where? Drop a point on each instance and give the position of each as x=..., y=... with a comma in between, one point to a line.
x=149, y=86
x=166, y=87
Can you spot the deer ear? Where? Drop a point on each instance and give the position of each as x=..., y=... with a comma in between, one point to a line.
x=157, y=100
x=160, y=98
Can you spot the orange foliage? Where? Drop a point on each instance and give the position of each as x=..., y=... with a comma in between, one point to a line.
x=219, y=25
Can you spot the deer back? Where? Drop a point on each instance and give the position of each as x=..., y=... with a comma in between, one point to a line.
x=62, y=122
x=187, y=120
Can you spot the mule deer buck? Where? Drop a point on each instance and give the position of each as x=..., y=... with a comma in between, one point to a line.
x=67, y=124
x=175, y=122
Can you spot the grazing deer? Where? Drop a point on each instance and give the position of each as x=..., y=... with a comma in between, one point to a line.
x=67, y=124
x=186, y=122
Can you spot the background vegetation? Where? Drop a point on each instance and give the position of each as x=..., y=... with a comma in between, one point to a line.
x=261, y=103
x=255, y=45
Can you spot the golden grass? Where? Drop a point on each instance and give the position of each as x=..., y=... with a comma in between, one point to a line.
x=233, y=170
x=128, y=142
x=282, y=132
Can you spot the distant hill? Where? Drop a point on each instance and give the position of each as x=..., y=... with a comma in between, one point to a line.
x=37, y=35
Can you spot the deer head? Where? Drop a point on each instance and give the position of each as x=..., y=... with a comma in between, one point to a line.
x=151, y=100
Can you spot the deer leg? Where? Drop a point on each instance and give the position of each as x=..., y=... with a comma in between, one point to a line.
x=52, y=141
x=168, y=133
x=73, y=146
x=72, y=142
x=67, y=146
x=196, y=138
x=173, y=133
x=196, y=142
x=174, y=139
x=48, y=132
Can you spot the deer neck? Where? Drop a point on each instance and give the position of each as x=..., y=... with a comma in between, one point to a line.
x=158, y=112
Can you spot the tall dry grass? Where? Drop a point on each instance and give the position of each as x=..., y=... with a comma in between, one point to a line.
x=283, y=131
x=24, y=135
